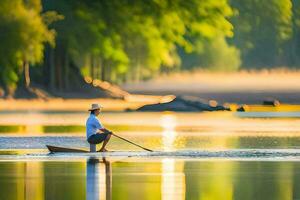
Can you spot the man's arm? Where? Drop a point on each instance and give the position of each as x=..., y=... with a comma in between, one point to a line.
x=100, y=128
x=104, y=130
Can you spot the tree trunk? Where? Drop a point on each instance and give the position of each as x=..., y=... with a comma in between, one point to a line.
x=92, y=67
x=108, y=72
x=59, y=67
x=97, y=67
x=51, y=69
x=103, y=70
x=138, y=71
x=66, y=75
x=26, y=73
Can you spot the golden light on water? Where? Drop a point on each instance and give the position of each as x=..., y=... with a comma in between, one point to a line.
x=164, y=179
x=34, y=181
x=171, y=124
x=166, y=131
x=168, y=122
x=173, y=180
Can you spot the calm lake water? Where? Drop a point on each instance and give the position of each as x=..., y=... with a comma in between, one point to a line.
x=220, y=155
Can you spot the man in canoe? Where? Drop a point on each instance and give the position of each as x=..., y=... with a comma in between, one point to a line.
x=95, y=132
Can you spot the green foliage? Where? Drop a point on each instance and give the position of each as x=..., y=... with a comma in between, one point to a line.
x=208, y=32
x=23, y=34
x=262, y=28
x=219, y=56
x=293, y=47
x=138, y=39
x=124, y=40
x=215, y=55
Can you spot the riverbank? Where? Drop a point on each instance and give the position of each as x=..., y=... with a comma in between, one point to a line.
x=235, y=88
x=238, y=97
x=134, y=102
x=245, y=87
x=59, y=104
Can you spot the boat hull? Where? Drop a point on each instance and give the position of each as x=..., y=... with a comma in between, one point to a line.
x=54, y=149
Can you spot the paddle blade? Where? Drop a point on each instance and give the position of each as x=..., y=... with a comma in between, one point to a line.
x=148, y=150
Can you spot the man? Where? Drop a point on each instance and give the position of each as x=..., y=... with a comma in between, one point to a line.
x=95, y=132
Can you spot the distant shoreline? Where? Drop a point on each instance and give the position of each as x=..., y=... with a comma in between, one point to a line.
x=244, y=87
x=60, y=104
x=234, y=88
x=136, y=101
x=250, y=97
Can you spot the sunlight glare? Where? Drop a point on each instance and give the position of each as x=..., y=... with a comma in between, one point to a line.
x=168, y=122
x=173, y=182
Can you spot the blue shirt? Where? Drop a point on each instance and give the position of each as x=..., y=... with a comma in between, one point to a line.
x=92, y=125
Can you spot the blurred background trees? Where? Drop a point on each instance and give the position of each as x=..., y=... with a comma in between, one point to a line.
x=262, y=30
x=60, y=43
x=22, y=35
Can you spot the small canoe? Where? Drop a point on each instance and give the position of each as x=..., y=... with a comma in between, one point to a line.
x=53, y=149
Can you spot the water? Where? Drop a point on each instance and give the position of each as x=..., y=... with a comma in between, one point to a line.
x=149, y=179
x=220, y=155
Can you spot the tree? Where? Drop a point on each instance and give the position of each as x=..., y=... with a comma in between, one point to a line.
x=293, y=45
x=23, y=35
x=129, y=41
x=261, y=31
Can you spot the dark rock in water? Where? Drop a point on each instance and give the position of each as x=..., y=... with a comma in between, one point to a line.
x=271, y=102
x=184, y=104
x=241, y=109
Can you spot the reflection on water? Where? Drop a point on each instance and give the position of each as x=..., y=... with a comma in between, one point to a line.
x=98, y=179
x=149, y=179
x=165, y=142
x=33, y=183
x=159, y=131
x=216, y=123
x=173, y=179
x=173, y=182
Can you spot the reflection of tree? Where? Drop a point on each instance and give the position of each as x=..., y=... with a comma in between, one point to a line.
x=21, y=180
x=64, y=180
x=209, y=180
x=98, y=179
x=150, y=180
x=241, y=180
x=11, y=180
x=265, y=180
x=296, y=182
x=136, y=180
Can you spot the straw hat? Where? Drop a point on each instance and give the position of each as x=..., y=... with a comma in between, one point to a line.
x=95, y=106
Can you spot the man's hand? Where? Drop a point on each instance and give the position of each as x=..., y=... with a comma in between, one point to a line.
x=106, y=131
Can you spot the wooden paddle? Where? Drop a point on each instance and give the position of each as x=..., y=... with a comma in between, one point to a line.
x=130, y=142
